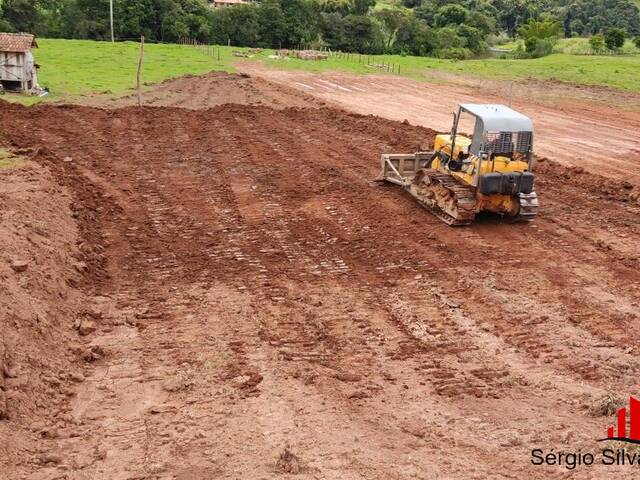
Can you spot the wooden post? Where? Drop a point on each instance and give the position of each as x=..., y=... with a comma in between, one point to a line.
x=113, y=38
x=139, y=70
x=218, y=53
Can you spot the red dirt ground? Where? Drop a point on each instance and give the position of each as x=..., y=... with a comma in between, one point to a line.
x=590, y=127
x=264, y=308
x=215, y=88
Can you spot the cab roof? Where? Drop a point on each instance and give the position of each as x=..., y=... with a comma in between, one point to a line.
x=499, y=118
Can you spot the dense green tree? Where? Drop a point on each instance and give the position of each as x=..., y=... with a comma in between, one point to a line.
x=238, y=25
x=391, y=21
x=361, y=7
x=21, y=15
x=362, y=34
x=474, y=39
x=456, y=28
x=302, y=22
x=515, y=13
x=271, y=24
x=589, y=17
x=333, y=30
x=453, y=14
x=540, y=29
x=343, y=7
x=614, y=38
x=414, y=37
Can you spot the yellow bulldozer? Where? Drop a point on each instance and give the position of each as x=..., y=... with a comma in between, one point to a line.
x=491, y=171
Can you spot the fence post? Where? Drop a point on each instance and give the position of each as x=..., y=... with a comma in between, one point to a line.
x=139, y=70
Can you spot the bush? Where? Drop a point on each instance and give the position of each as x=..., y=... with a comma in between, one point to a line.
x=636, y=42
x=542, y=47
x=597, y=43
x=455, y=53
x=539, y=37
x=614, y=38
x=540, y=29
x=534, y=48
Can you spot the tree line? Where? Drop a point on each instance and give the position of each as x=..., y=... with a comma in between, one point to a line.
x=442, y=28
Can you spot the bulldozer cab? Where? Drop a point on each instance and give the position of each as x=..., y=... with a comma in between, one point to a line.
x=498, y=131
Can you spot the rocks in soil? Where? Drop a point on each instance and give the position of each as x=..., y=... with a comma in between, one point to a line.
x=414, y=428
x=606, y=405
x=76, y=377
x=49, y=459
x=19, y=265
x=93, y=353
x=177, y=383
x=87, y=327
x=347, y=377
x=358, y=395
x=80, y=267
x=288, y=462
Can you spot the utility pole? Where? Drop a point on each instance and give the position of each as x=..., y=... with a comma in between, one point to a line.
x=111, y=18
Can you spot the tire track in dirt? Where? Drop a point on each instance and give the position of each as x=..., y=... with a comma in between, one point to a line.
x=264, y=290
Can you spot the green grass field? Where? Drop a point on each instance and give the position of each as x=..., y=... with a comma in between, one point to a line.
x=617, y=71
x=71, y=68
x=78, y=67
x=575, y=46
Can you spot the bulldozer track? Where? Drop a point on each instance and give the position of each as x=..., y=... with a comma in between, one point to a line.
x=464, y=196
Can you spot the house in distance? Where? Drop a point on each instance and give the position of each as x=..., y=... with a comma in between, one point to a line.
x=18, y=70
x=227, y=3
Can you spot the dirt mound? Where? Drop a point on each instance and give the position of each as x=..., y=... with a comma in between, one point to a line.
x=216, y=88
x=260, y=288
x=41, y=269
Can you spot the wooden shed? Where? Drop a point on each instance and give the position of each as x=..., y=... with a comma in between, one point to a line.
x=18, y=70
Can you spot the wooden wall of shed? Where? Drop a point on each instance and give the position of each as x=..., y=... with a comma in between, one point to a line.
x=13, y=67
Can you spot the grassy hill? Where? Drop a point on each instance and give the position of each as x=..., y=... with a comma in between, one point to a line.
x=80, y=67
x=75, y=67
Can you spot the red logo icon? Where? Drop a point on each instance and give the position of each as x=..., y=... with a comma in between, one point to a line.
x=634, y=424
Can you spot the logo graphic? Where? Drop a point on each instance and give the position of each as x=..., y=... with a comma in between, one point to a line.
x=634, y=424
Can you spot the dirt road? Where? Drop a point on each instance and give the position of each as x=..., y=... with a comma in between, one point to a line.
x=590, y=132
x=255, y=289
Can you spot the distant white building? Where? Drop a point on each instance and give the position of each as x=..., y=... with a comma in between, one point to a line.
x=18, y=70
x=227, y=3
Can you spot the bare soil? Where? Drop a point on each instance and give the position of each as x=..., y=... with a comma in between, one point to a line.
x=590, y=127
x=215, y=88
x=264, y=309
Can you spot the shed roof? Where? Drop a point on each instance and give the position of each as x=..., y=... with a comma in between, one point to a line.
x=499, y=118
x=17, y=42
